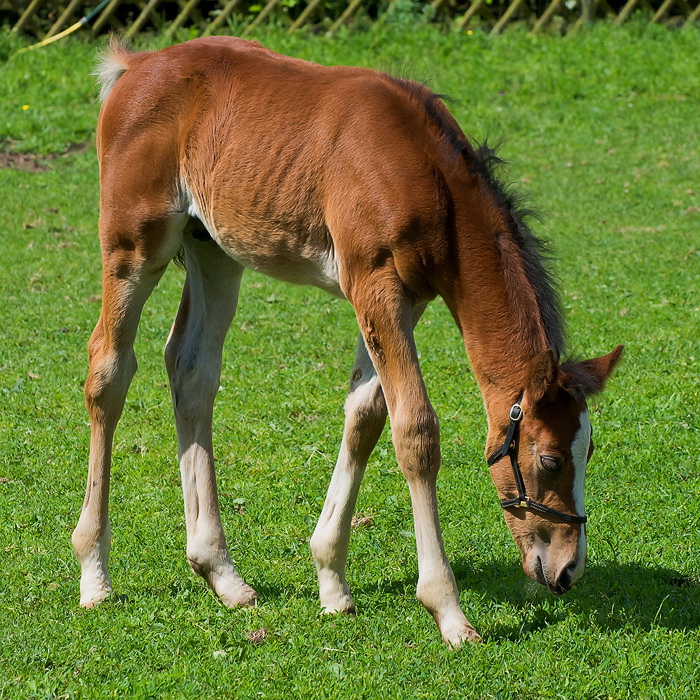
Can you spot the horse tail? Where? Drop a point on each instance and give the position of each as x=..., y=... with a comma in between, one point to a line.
x=112, y=64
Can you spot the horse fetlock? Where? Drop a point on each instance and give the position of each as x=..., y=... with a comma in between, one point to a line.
x=215, y=567
x=334, y=593
x=91, y=539
x=441, y=600
x=232, y=590
x=439, y=595
x=203, y=564
x=95, y=585
x=322, y=549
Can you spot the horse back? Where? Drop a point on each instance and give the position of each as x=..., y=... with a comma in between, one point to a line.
x=286, y=162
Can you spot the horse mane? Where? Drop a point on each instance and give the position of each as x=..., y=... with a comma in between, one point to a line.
x=484, y=163
x=535, y=253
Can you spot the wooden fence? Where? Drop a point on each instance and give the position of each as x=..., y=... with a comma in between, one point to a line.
x=44, y=19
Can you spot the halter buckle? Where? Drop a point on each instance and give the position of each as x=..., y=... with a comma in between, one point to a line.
x=524, y=502
x=516, y=412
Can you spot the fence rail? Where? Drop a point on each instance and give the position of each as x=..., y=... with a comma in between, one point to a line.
x=44, y=19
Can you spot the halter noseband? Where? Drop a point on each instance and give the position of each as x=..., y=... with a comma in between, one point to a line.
x=510, y=448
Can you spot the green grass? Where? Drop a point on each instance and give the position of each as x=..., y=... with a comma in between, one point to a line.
x=602, y=131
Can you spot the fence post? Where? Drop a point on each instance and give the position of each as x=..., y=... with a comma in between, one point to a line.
x=26, y=15
x=473, y=9
x=219, y=19
x=102, y=19
x=546, y=16
x=302, y=17
x=500, y=25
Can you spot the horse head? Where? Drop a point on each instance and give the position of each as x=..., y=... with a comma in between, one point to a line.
x=539, y=467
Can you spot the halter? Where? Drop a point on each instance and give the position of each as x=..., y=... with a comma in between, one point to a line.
x=510, y=448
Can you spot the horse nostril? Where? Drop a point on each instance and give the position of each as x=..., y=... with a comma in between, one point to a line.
x=564, y=582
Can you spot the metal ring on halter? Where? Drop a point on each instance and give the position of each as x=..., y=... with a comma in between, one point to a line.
x=510, y=448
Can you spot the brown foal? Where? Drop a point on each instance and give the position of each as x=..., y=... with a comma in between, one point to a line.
x=365, y=186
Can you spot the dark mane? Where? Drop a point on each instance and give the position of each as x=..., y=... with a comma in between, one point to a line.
x=535, y=252
x=484, y=163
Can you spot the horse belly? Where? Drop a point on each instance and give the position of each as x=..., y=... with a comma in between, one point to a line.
x=278, y=255
x=291, y=253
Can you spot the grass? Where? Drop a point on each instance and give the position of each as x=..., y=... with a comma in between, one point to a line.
x=601, y=130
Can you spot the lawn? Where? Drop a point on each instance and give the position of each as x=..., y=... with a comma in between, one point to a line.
x=601, y=129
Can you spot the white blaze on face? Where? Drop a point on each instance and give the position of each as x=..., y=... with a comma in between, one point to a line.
x=579, y=455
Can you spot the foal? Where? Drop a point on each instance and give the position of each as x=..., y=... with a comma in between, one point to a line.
x=364, y=186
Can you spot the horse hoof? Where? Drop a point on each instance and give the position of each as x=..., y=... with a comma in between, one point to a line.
x=243, y=596
x=464, y=633
x=94, y=598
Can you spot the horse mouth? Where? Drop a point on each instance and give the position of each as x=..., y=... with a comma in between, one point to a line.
x=538, y=573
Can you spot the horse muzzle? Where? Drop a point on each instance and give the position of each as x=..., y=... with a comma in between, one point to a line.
x=559, y=579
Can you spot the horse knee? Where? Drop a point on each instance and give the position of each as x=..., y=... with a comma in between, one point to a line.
x=417, y=442
x=109, y=376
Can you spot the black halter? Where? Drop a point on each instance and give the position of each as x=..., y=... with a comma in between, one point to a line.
x=510, y=448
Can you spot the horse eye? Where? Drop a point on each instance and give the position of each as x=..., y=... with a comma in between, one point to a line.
x=550, y=463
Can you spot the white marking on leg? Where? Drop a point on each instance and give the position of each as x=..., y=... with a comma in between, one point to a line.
x=329, y=543
x=579, y=455
x=112, y=366
x=193, y=357
x=365, y=412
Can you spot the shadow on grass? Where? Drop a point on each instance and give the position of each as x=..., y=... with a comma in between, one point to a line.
x=612, y=596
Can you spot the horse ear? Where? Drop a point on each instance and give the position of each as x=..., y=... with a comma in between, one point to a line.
x=599, y=369
x=541, y=379
x=588, y=377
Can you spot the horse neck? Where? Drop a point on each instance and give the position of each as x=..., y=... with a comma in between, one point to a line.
x=491, y=298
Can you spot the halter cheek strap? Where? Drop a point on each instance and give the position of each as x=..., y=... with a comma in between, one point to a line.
x=510, y=448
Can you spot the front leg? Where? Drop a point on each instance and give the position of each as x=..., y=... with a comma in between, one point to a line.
x=437, y=588
x=385, y=317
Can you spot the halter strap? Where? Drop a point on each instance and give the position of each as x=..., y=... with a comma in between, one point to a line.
x=510, y=448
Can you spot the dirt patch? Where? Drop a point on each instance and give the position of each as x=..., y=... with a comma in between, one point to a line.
x=33, y=163
x=256, y=636
x=23, y=161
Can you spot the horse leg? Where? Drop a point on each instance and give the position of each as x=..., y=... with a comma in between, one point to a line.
x=365, y=416
x=128, y=278
x=384, y=316
x=193, y=359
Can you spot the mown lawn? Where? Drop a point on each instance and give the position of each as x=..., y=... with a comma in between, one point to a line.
x=602, y=130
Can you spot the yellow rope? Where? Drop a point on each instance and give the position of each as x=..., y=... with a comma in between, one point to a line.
x=55, y=37
x=88, y=17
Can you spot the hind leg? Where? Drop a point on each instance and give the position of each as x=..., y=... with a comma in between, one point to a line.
x=365, y=416
x=128, y=278
x=193, y=359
